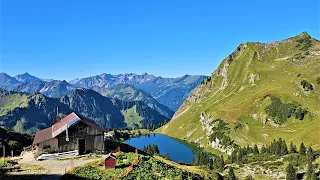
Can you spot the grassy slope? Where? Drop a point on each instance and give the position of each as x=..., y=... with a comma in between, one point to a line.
x=279, y=68
x=148, y=167
x=8, y=103
x=132, y=117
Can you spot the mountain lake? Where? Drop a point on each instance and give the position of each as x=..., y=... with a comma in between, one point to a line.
x=178, y=150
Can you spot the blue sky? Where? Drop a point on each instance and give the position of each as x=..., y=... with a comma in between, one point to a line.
x=67, y=39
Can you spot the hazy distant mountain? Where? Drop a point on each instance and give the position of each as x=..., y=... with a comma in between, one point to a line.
x=127, y=92
x=6, y=80
x=28, y=113
x=168, y=91
x=26, y=78
x=107, y=80
x=53, y=88
x=74, y=81
x=47, y=80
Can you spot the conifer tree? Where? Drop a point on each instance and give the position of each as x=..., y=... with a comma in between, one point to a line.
x=291, y=173
x=239, y=157
x=216, y=162
x=302, y=150
x=284, y=148
x=293, y=148
x=233, y=157
x=248, y=150
x=278, y=148
x=167, y=156
x=268, y=149
x=231, y=175
x=255, y=149
x=192, y=161
x=217, y=176
x=310, y=171
x=222, y=163
x=263, y=149
x=310, y=154
x=273, y=147
x=249, y=178
x=314, y=176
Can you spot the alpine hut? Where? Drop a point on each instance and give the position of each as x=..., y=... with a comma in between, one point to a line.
x=74, y=132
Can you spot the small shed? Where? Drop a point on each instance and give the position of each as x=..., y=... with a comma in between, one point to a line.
x=110, y=161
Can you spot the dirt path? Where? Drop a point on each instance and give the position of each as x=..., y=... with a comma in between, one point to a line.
x=246, y=129
x=55, y=168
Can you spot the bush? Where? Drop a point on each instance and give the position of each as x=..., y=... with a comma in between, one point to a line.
x=280, y=112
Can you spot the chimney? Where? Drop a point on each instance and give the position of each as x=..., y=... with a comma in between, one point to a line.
x=58, y=117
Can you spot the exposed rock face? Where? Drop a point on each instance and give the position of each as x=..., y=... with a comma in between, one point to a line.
x=207, y=126
x=253, y=78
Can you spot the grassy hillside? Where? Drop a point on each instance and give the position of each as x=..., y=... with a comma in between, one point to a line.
x=261, y=91
x=10, y=101
x=132, y=118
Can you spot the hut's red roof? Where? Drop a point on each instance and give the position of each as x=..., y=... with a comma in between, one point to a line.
x=43, y=135
x=64, y=121
x=110, y=155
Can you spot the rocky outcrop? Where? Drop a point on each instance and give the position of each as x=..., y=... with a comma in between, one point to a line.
x=207, y=125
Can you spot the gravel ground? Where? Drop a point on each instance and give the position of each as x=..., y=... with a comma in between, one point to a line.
x=55, y=168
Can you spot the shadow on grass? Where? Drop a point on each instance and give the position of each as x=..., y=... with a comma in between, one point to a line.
x=4, y=176
x=74, y=177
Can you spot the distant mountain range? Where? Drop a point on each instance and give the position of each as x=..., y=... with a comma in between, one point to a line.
x=127, y=92
x=170, y=92
x=28, y=113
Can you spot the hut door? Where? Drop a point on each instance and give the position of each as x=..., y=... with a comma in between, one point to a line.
x=81, y=146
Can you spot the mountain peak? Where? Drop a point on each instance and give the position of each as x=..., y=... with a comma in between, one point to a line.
x=26, y=78
x=26, y=74
x=304, y=34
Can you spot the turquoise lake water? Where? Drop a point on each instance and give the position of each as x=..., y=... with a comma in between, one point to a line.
x=177, y=150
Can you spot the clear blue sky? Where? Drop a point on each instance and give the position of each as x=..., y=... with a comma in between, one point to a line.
x=62, y=39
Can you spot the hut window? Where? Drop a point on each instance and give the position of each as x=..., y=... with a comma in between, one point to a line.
x=81, y=129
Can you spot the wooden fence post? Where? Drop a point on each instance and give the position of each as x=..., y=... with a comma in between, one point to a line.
x=4, y=153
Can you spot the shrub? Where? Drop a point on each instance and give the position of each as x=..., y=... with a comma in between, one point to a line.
x=280, y=112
